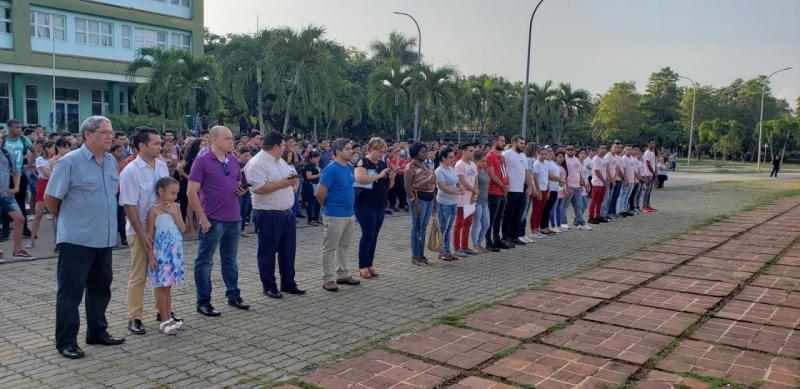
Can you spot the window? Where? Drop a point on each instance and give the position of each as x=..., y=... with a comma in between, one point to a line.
x=144, y=37
x=93, y=32
x=181, y=42
x=5, y=104
x=65, y=94
x=5, y=20
x=99, y=102
x=123, y=108
x=161, y=41
x=184, y=3
x=45, y=25
x=31, y=104
x=126, y=37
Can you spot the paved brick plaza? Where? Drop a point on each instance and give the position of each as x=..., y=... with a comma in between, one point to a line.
x=279, y=340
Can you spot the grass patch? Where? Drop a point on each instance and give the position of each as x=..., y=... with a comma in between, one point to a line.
x=454, y=318
x=715, y=382
x=504, y=353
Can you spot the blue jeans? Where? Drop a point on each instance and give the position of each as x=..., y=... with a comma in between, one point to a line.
x=277, y=237
x=624, y=195
x=245, y=207
x=585, y=204
x=576, y=199
x=648, y=189
x=555, y=213
x=419, y=226
x=480, y=224
x=526, y=207
x=224, y=235
x=370, y=218
x=446, y=215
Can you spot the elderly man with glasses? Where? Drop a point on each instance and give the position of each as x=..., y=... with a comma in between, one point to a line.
x=213, y=192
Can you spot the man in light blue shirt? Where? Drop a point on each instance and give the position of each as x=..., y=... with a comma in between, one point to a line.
x=81, y=193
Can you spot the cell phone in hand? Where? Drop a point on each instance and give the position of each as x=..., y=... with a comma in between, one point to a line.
x=247, y=185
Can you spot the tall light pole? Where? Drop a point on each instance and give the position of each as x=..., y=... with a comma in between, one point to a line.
x=691, y=123
x=419, y=60
x=761, y=117
x=524, y=125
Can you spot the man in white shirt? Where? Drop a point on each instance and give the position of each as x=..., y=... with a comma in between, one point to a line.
x=516, y=164
x=628, y=178
x=274, y=182
x=611, y=163
x=137, y=193
x=649, y=159
x=575, y=181
x=599, y=183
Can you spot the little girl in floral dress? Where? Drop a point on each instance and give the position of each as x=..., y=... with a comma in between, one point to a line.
x=165, y=225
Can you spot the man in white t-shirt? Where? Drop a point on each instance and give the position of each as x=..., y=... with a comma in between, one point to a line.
x=627, y=176
x=611, y=163
x=516, y=164
x=599, y=184
x=467, y=172
x=649, y=159
x=575, y=181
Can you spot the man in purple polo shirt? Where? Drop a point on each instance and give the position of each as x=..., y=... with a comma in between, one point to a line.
x=213, y=193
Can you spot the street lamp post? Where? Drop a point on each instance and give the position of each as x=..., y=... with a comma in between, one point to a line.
x=527, y=74
x=761, y=117
x=691, y=122
x=419, y=60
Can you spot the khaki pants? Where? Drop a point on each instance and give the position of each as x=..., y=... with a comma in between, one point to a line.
x=338, y=232
x=138, y=277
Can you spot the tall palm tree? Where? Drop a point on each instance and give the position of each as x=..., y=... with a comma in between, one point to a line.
x=300, y=59
x=572, y=103
x=176, y=78
x=387, y=92
x=541, y=105
x=487, y=100
x=398, y=46
x=435, y=89
x=246, y=60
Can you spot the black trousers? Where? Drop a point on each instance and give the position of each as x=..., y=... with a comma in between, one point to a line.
x=277, y=240
x=82, y=269
x=775, y=170
x=548, y=206
x=513, y=214
x=497, y=207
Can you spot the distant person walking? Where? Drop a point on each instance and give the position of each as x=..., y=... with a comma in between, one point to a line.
x=776, y=165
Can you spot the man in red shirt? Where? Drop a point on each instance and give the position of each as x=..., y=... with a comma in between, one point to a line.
x=498, y=187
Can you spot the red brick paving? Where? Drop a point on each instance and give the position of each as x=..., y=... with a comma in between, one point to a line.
x=761, y=313
x=690, y=285
x=777, y=282
x=615, y=276
x=750, y=336
x=728, y=264
x=659, y=257
x=789, y=260
x=704, y=237
x=457, y=347
x=719, y=361
x=674, y=249
x=782, y=374
x=553, y=302
x=473, y=382
x=707, y=273
x=657, y=379
x=644, y=318
x=638, y=265
x=758, y=294
x=379, y=369
x=739, y=256
x=510, y=321
x=547, y=367
x=589, y=288
x=692, y=243
x=784, y=270
x=769, y=250
x=625, y=344
x=717, y=232
x=667, y=299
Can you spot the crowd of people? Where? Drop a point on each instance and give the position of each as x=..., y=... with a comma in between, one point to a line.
x=146, y=189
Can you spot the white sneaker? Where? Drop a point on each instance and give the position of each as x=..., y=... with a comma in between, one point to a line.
x=585, y=228
x=556, y=230
x=565, y=226
x=535, y=236
x=48, y=216
x=169, y=327
x=525, y=239
x=29, y=245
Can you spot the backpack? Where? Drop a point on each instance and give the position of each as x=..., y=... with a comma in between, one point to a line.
x=8, y=158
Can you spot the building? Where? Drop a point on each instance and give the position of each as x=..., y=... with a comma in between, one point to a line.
x=87, y=45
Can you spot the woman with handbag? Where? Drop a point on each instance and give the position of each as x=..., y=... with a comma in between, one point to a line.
x=420, y=182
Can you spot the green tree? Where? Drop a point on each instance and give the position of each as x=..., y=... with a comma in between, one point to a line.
x=485, y=100
x=778, y=133
x=177, y=82
x=723, y=137
x=246, y=60
x=571, y=104
x=618, y=115
x=543, y=106
x=436, y=90
x=661, y=100
x=387, y=93
x=398, y=46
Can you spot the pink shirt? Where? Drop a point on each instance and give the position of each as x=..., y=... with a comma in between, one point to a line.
x=575, y=172
x=598, y=165
x=642, y=168
x=651, y=157
x=630, y=167
x=468, y=170
x=611, y=165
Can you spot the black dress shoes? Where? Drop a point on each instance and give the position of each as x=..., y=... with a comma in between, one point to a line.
x=107, y=340
x=293, y=290
x=171, y=314
x=492, y=248
x=207, y=310
x=238, y=303
x=273, y=293
x=135, y=327
x=72, y=352
x=518, y=242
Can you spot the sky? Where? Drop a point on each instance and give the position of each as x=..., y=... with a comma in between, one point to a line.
x=589, y=43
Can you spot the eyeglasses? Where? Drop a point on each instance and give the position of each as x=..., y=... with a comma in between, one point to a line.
x=570, y=149
x=225, y=168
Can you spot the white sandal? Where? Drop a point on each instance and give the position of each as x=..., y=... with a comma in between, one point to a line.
x=169, y=327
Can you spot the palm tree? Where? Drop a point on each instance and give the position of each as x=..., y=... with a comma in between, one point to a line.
x=541, y=105
x=572, y=102
x=246, y=59
x=300, y=59
x=435, y=89
x=486, y=96
x=387, y=92
x=398, y=46
x=175, y=80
